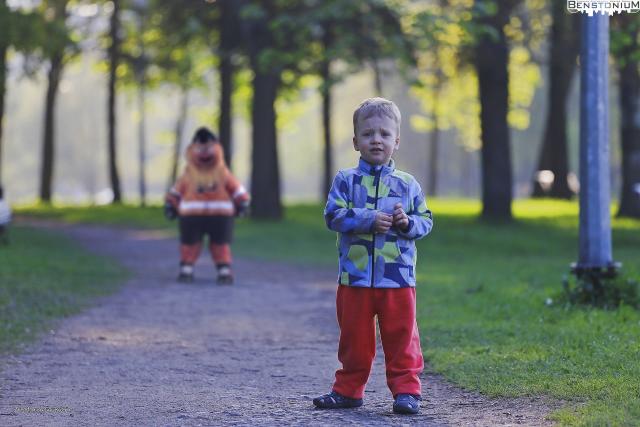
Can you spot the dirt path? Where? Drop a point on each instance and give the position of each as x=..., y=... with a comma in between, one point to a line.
x=163, y=353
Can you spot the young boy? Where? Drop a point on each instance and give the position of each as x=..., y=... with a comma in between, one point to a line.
x=378, y=212
x=206, y=197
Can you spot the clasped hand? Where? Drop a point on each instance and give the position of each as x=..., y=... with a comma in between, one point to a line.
x=385, y=221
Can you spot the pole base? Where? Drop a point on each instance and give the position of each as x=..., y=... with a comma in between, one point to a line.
x=606, y=272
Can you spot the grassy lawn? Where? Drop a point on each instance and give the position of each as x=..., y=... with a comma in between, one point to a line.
x=44, y=276
x=481, y=300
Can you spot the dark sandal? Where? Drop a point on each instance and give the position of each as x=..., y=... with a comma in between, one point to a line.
x=335, y=400
x=406, y=404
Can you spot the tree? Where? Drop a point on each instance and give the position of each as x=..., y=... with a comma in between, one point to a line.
x=135, y=61
x=563, y=50
x=263, y=46
x=26, y=32
x=230, y=40
x=57, y=49
x=446, y=84
x=114, y=59
x=216, y=25
x=625, y=44
x=354, y=33
x=491, y=58
x=437, y=35
x=274, y=37
x=4, y=47
x=180, y=54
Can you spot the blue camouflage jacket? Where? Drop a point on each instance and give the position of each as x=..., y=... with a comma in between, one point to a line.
x=376, y=260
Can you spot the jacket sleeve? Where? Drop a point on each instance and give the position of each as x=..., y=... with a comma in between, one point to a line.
x=339, y=216
x=420, y=218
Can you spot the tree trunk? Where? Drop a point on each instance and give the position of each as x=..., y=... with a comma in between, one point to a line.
x=434, y=142
x=265, y=173
x=48, y=140
x=491, y=61
x=227, y=33
x=3, y=91
x=142, y=142
x=564, y=45
x=377, y=76
x=325, y=89
x=114, y=57
x=629, y=83
x=179, y=132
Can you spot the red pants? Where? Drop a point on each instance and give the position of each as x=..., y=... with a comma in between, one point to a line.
x=396, y=311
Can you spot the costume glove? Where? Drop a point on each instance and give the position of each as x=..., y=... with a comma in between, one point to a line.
x=170, y=211
x=242, y=209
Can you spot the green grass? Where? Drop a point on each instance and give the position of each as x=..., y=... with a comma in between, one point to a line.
x=44, y=276
x=481, y=295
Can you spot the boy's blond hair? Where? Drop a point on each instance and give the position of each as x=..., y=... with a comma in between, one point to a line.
x=376, y=107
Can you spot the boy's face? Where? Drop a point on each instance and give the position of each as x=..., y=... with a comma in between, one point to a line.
x=376, y=139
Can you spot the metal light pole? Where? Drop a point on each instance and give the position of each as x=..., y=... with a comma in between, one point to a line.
x=595, y=219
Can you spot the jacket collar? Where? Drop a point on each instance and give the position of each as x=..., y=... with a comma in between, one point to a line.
x=373, y=170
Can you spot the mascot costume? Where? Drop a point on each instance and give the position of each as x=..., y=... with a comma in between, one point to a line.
x=205, y=199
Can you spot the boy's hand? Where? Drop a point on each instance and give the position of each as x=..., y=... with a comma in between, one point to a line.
x=382, y=223
x=400, y=218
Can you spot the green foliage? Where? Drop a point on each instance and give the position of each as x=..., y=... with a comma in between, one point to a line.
x=44, y=276
x=595, y=290
x=301, y=36
x=625, y=39
x=447, y=85
x=164, y=43
x=28, y=32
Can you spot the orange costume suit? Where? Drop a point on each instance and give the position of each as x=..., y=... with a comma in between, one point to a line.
x=205, y=198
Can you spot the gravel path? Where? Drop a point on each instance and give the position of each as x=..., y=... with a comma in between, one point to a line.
x=162, y=353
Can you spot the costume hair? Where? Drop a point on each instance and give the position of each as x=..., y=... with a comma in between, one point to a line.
x=204, y=135
x=376, y=107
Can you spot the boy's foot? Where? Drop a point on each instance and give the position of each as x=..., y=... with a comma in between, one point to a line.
x=186, y=274
x=406, y=404
x=335, y=400
x=225, y=277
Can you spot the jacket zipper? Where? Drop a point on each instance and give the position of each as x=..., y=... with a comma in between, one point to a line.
x=373, y=240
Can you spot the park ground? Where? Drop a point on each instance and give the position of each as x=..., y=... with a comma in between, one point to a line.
x=483, y=309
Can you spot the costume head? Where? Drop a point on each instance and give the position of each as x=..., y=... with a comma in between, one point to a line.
x=205, y=160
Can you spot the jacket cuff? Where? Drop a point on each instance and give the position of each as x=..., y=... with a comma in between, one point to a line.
x=407, y=233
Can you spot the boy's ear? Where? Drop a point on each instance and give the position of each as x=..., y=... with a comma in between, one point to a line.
x=397, y=145
x=355, y=144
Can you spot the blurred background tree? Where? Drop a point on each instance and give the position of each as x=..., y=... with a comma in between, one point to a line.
x=552, y=176
x=468, y=76
x=625, y=46
x=113, y=58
